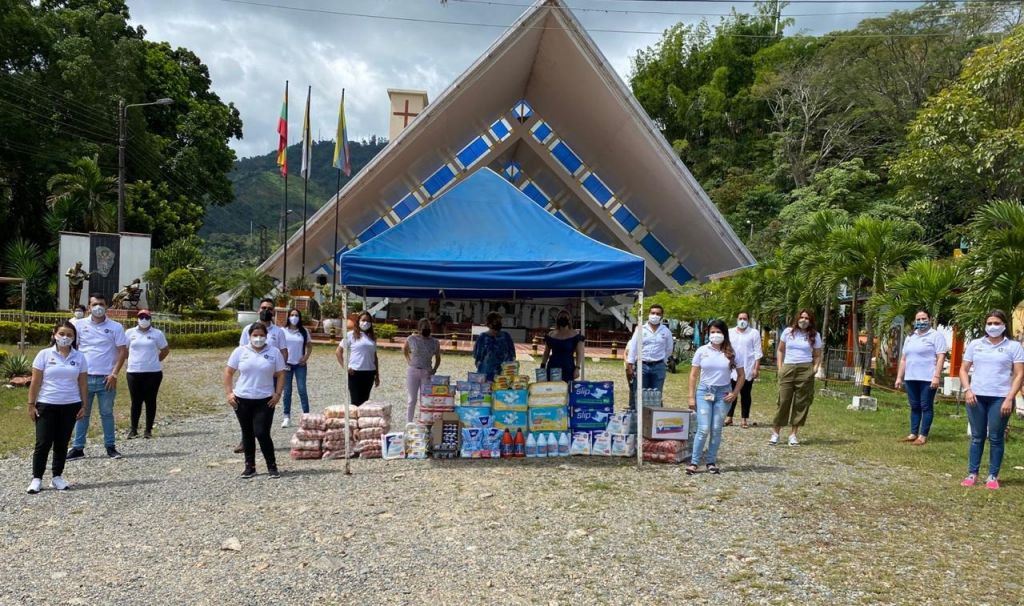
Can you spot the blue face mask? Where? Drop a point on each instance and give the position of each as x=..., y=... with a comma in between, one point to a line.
x=922, y=324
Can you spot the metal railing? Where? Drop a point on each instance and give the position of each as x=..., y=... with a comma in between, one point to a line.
x=170, y=327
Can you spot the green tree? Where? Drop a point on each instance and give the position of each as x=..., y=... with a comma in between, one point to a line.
x=995, y=264
x=929, y=284
x=251, y=284
x=25, y=260
x=82, y=199
x=181, y=289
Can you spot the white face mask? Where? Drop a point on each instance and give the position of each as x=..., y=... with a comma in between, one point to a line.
x=364, y=326
x=144, y=323
x=98, y=311
x=716, y=338
x=79, y=314
x=742, y=324
x=63, y=341
x=258, y=341
x=803, y=324
x=653, y=319
x=995, y=330
x=293, y=320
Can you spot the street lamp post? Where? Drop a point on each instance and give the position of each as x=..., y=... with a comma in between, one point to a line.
x=122, y=114
x=751, y=224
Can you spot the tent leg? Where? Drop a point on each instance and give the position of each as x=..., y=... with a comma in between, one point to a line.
x=344, y=374
x=583, y=331
x=21, y=341
x=640, y=383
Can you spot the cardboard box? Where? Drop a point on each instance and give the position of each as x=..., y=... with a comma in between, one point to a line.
x=444, y=402
x=475, y=399
x=445, y=436
x=549, y=419
x=623, y=421
x=510, y=420
x=547, y=401
x=592, y=392
x=440, y=390
x=511, y=399
x=587, y=417
x=549, y=388
x=667, y=423
x=474, y=416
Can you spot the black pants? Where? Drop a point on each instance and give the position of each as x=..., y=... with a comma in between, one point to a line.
x=255, y=418
x=54, y=425
x=744, y=399
x=360, y=382
x=143, y=387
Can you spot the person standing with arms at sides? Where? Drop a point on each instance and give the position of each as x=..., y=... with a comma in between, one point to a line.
x=275, y=336
x=998, y=365
x=799, y=358
x=147, y=348
x=79, y=312
x=920, y=371
x=363, y=367
x=260, y=369
x=563, y=348
x=657, y=349
x=105, y=347
x=59, y=386
x=712, y=391
x=746, y=341
x=423, y=355
x=298, y=347
x=493, y=347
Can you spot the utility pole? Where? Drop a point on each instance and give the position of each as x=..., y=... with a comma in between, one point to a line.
x=122, y=115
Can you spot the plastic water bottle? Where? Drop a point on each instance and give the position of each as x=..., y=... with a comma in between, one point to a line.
x=542, y=445
x=552, y=445
x=531, y=446
x=563, y=445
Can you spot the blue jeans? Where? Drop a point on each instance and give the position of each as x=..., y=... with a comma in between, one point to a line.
x=299, y=372
x=985, y=419
x=654, y=378
x=99, y=391
x=710, y=419
x=922, y=403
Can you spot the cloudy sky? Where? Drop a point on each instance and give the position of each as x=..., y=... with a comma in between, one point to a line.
x=252, y=47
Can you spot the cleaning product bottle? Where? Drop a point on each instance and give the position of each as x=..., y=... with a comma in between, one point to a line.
x=519, y=446
x=531, y=447
x=542, y=445
x=552, y=445
x=506, y=444
x=563, y=445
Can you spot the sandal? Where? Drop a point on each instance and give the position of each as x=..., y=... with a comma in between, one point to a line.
x=712, y=468
x=691, y=469
x=745, y=425
x=909, y=438
x=728, y=422
x=920, y=441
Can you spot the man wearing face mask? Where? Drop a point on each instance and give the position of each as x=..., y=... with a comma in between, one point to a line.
x=493, y=348
x=656, y=350
x=275, y=336
x=79, y=312
x=103, y=343
x=423, y=355
x=746, y=341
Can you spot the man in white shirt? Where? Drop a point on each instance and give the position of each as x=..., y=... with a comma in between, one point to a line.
x=275, y=337
x=656, y=350
x=745, y=341
x=103, y=343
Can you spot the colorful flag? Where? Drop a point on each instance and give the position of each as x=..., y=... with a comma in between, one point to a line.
x=342, y=159
x=282, y=131
x=307, y=140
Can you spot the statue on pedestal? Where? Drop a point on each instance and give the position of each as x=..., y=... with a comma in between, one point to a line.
x=77, y=277
x=128, y=297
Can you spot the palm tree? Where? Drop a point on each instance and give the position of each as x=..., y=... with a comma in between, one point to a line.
x=251, y=284
x=929, y=284
x=81, y=199
x=811, y=260
x=995, y=264
x=24, y=259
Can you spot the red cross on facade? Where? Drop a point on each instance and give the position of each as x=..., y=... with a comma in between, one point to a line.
x=405, y=115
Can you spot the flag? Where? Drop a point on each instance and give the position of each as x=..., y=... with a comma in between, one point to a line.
x=282, y=131
x=342, y=159
x=307, y=140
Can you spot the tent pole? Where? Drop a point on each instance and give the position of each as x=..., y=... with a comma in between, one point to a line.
x=344, y=373
x=583, y=331
x=21, y=341
x=639, y=382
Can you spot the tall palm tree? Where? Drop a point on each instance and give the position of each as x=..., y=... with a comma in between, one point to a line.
x=995, y=264
x=811, y=260
x=929, y=284
x=82, y=199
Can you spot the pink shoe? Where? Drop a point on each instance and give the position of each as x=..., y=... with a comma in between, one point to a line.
x=969, y=480
x=992, y=484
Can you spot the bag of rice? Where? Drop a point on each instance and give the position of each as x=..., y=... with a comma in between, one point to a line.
x=310, y=434
x=317, y=422
x=299, y=444
x=370, y=433
x=305, y=454
x=375, y=409
x=337, y=411
x=364, y=422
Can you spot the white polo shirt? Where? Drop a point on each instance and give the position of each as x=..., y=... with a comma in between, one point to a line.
x=798, y=348
x=256, y=371
x=361, y=352
x=920, y=352
x=144, y=349
x=99, y=341
x=296, y=345
x=657, y=344
x=992, y=366
x=275, y=336
x=714, y=366
x=60, y=376
x=748, y=345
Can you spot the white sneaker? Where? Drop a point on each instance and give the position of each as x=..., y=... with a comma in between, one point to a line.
x=793, y=441
x=34, y=486
x=286, y=422
x=59, y=483
x=772, y=441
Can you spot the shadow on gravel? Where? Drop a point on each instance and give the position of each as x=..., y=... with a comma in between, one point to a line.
x=828, y=442
x=286, y=473
x=187, y=434
x=155, y=455
x=753, y=469
x=114, y=484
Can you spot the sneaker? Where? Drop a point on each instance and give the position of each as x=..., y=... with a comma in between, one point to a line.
x=148, y=434
x=59, y=483
x=286, y=421
x=992, y=483
x=273, y=473
x=74, y=454
x=34, y=486
x=969, y=480
x=793, y=441
x=248, y=473
x=713, y=469
x=133, y=434
x=112, y=453
x=772, y=441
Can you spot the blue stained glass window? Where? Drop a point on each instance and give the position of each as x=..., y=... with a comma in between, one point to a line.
x=406, y=206
x=681, y=275
x=561, y=217
x=535, y=194
x=541, y=132
x=597, y=189
x=443, y=176
x=566, y=157
x=512, y=170
x=522, y=110
x=651, y=245
x=500, y=130
x=626, y=219
x=473, y=152
x=377, y=228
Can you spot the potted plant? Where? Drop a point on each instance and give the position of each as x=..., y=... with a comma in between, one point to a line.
x=299, y=286
x=330, y=311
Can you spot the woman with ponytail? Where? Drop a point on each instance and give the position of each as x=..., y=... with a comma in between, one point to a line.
x=712, y=392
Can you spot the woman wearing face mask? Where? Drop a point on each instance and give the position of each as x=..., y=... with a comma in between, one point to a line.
x=423, y=355
x=712, y=391
x=799, y=358
x=260, y=369
x=747, y=341
x=299, y=348
x=363, y=367
x=563, y=348
x=55, y=396
x=493, y=348
x=79, y=312
x=998, y=365
x=147, y=348
x=924, y=352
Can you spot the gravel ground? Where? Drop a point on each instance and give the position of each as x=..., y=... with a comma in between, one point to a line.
x=780, y=525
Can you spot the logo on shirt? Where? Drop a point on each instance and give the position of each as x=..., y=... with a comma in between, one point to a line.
x=266, y=356
x=106, y=330
x=73, y=363
x=1000, y=350
x=52, y=362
